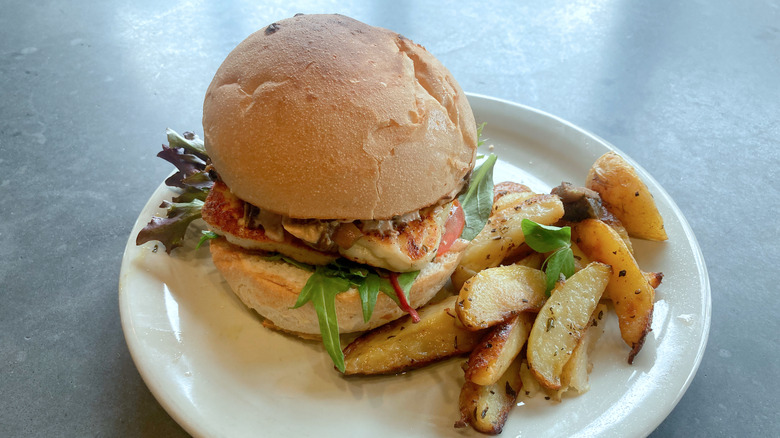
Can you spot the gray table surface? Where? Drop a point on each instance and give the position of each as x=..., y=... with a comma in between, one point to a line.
x=689, y=89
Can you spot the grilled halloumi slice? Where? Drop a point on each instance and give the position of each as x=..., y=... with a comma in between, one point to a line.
x=396, y=245
x=409, y=246
x=224, y=214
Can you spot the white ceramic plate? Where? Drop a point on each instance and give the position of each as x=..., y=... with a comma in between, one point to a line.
x=218, y=372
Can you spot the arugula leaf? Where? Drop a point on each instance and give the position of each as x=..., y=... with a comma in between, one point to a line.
x=330, y=280
x=207, y=235
x=480, y=140
x=547, y=238
x=405, y=280
x=368, y=289
x=478, y=199
x=291, y=261
x=321, y=289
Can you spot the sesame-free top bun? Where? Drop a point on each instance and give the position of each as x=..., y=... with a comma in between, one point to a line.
x=271, y=287
x=325, y=117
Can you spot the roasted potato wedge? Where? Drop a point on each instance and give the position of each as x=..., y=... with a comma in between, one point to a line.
x=631, y=294
x=563, y=320
x=491, y=358
x=623, y=233
x=486, y=408
x=403, y=345
x=496, y=294
x=530, y=385
x=510, y=200
x=507, y=187
x=578, y=367
x=503, y=232
x=626, y=196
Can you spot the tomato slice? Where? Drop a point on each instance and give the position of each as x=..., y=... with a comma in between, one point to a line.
x=453, y=228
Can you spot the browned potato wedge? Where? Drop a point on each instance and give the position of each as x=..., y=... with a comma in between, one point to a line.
x=486, y=408
x=626, y=196
x=403, y=345
x=496, y=294
x=562, y=321
x=503, y=233
x=507, y=187
x=628, y=288
x=578, y=367
x=575, y=373
x=461, y=274
x=491, y=358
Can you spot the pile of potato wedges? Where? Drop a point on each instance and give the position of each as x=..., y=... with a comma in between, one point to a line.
x=516, y=335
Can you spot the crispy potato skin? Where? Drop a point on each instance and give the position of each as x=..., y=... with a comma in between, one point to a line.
x=629, y=290
x=486, y=408
x=507, y=187
x=626, y=196
x=494, y=295
x=403, y=345
x=491, y=358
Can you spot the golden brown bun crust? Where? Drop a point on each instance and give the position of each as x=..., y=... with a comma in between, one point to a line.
x=325, y=117
x=272, y=287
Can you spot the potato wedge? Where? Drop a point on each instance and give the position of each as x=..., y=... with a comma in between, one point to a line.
x=486, y=408
x=530, y=385
x=491, y=358
x=503, y=233
x=403, y=345
x=622, y=232
x=628, y=288
x=626, y=196
x=563, y=320
x=510, y=200
x=496, y=294
x=506, y=187
x=575, y=373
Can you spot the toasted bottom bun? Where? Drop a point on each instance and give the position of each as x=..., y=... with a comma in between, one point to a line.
x=271, y=288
